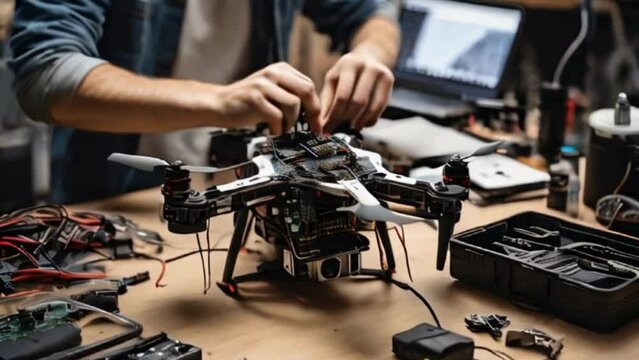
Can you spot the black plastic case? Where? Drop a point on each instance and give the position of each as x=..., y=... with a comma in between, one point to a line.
x=582, y=275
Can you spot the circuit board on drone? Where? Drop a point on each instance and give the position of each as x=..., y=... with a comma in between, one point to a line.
x=324, y=158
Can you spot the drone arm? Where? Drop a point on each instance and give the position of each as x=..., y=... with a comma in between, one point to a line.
x=190, y=215
x=430, y=201
x=439, y=201
x=242, y=194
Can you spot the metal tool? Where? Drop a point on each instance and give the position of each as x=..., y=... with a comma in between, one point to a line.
x=537, y=232
x=534, y=338
x=491, y=323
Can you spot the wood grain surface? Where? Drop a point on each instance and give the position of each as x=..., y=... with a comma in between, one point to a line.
x=350, y=318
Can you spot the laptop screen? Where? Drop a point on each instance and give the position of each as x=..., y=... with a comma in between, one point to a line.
x=455, y=41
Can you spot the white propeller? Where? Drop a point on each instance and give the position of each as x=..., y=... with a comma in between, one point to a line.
x=485, y=150
x=147, y=163
x=369, y=208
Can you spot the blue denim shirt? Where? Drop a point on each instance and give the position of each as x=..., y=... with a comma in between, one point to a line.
x=141, y=36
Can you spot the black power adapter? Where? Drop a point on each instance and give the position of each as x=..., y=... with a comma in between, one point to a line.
x=426, y=341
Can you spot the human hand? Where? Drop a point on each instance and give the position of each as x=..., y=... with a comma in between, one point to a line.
x=274, y=94
x=356, y=90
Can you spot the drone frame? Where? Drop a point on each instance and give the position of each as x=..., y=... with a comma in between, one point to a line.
x=188, y=211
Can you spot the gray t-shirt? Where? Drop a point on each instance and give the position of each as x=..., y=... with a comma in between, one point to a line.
x=214, y=47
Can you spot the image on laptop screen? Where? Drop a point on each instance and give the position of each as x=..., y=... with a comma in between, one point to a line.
x=462, y=42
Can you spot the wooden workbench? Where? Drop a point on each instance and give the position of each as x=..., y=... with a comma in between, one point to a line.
x=345, y=318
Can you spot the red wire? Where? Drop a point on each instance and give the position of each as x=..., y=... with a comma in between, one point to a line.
x=19, y=239
x=403, y=241
x=11, y=221
x=86, y=221
x=36, y=274
x=23, y=293
x=21, y=251
x=157, y=281
x=162, y=271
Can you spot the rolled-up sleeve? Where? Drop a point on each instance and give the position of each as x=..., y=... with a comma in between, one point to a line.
x=340, y=19
x=54, y=45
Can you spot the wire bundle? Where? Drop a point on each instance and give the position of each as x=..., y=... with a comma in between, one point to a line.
x=37, y=243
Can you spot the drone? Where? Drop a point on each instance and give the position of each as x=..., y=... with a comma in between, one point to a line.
x=310, y=195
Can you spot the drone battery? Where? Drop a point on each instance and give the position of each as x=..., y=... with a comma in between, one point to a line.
x=426, y=341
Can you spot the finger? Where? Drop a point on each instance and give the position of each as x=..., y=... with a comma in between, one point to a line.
x=327, y=98
x=300, y=85
x=284, y=100
x=379, y=100
x=343, y=92
x=361, y=95
x=270, y=113
x=289, y=68
x=286, y=67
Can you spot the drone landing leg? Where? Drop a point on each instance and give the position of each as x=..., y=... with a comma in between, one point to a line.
x=382, y=230
x=446, y=228
x=228, y=285
x=265, y=271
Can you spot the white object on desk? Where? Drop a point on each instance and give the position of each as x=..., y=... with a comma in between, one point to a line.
x=418, y=138
x=491, y=172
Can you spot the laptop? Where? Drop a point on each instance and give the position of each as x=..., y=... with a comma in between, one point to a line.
x=452, y=54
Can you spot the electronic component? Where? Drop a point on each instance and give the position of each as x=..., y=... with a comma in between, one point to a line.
x=44, y=325
x=325, y=269
x=37, y=243
x=157, y=347
x=426, y=341
x=106, y=300
x=26, y=322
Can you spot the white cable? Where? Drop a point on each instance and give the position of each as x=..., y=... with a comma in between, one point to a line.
x=624, y=179
x=573, y=47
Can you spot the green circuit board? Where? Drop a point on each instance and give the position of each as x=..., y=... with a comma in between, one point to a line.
x=26, y=322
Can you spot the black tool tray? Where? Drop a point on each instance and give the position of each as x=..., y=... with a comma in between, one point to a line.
x=582, y=275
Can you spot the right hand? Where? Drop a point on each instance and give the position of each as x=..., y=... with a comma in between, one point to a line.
x=274, y=95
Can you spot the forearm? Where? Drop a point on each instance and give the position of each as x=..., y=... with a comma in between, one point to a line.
x=379, y=37
x=115, y=100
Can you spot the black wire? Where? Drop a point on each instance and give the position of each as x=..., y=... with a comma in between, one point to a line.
x=405, y=286
x=104, y=258
x=84, y=264
x=43, y=252
x=208, y=250
x=199, y=246
x=379, y=248
x=500, y=354
x=64, y=215
x=108, y=257
x=190, y=253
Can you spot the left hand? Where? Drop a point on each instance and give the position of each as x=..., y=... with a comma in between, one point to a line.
x=356, y=90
